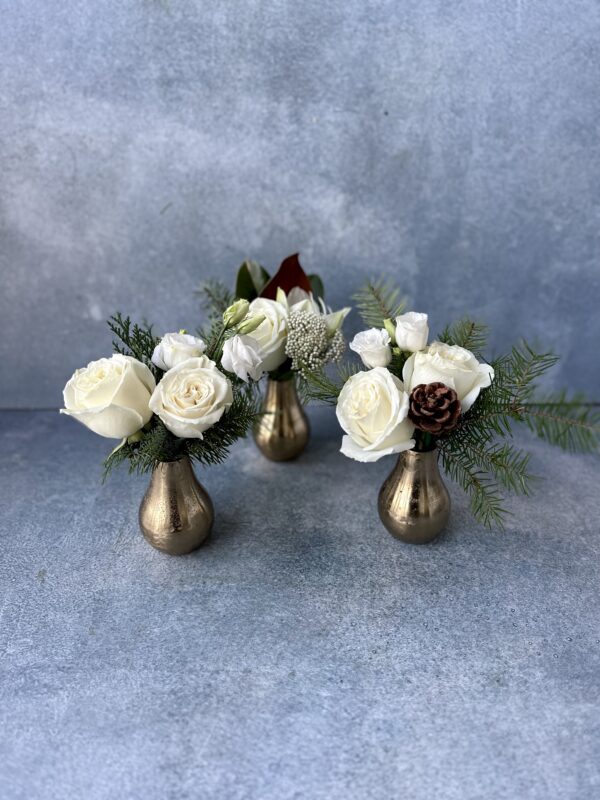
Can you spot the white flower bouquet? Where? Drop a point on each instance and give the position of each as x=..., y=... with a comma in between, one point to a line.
x=169, y=400
x=288, y=331
x=444, y=398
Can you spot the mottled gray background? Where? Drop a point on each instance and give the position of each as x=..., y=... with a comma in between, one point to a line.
x=146, y=145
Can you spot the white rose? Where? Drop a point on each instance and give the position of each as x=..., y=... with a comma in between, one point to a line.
x=174, y=348
x=271, y=334
x=192, y=397
x=412, y=331
x=452, y=365
x=373, y=346
x=241, y=355
x=110, y=396
x=372, y=408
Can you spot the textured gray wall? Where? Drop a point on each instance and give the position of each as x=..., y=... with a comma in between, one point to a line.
x=146, y=145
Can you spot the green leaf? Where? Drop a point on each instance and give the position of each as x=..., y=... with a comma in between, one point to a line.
x=251, y=280
x=317, y=287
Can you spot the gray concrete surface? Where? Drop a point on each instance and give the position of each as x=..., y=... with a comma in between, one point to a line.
x=148, y=144
x=303, y=653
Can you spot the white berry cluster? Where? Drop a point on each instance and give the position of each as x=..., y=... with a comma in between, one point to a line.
x=310, y=345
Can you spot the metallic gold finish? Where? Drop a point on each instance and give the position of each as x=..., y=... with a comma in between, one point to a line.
x=414, y=504
x=176, y=514
x=281, y=432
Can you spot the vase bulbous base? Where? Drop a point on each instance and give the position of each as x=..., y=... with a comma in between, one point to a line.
x=176, y=513
x=282, y=430
x=414, y=504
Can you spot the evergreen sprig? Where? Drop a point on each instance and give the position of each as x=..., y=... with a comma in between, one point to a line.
x=378, y=301
x=466, y=333
x=216, y=297
x=134, y=340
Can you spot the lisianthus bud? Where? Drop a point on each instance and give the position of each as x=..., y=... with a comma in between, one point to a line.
x=251, y=324
x=235, y=313
x=390, y=328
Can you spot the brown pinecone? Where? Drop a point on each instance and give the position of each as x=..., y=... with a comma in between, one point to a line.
x=434, y=408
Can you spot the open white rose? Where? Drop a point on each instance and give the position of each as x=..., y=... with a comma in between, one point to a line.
x=452, y=365
x=174, y=348
x=373, y=346
x=241, y=355
x=271, y=334
x=372, y=408
x=110, y=396
x=412, y=331
x=192, y=397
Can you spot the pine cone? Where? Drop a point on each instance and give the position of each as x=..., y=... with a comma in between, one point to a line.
x=434, y=408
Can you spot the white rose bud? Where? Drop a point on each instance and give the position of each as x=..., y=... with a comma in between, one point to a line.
x=235, y=313
x=452, y=365
x=372, y=408
x=174, y=348
x=373, y=346
x=271, y=334
x=192, y=397
x=241, y=355
x=412, y=331
x=110, y=396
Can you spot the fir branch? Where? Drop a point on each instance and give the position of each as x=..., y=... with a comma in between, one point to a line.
x=486, y=500
x=378, y=301
x=134, y=340
x=233, y=425
x=466, y=333
x=216, y=298
x=322, y=387
x=567, y=422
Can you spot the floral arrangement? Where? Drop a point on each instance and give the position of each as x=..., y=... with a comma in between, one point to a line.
x=420, y=395
x=288, y=329
x=164, y=397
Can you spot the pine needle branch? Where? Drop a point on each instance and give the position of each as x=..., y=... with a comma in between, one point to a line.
x=134, y=340
x=466, y=333
x=216, y=297
x=378, y=301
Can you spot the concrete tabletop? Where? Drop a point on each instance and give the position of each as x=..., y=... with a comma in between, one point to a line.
x=303, y=652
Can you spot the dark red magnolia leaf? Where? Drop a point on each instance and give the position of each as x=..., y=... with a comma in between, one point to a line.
x=289, y=275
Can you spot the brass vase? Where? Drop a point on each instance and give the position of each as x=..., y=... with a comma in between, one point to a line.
x=176, y=514
x=281, y=432
x=414, y=504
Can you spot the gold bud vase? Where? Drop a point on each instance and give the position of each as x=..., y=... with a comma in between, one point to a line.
x=281, y=432
x=176, y=514
x=414, y=504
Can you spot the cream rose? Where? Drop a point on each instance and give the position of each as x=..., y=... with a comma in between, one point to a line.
x=174, y=348
x=241, y=355
x=372, y=408
x=110, y=396
x=373, y=346
x=192, y=397
x=412, y=331
x=456, y=367
x=271, y=334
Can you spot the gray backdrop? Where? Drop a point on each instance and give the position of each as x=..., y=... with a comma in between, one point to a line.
x=146, y=145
